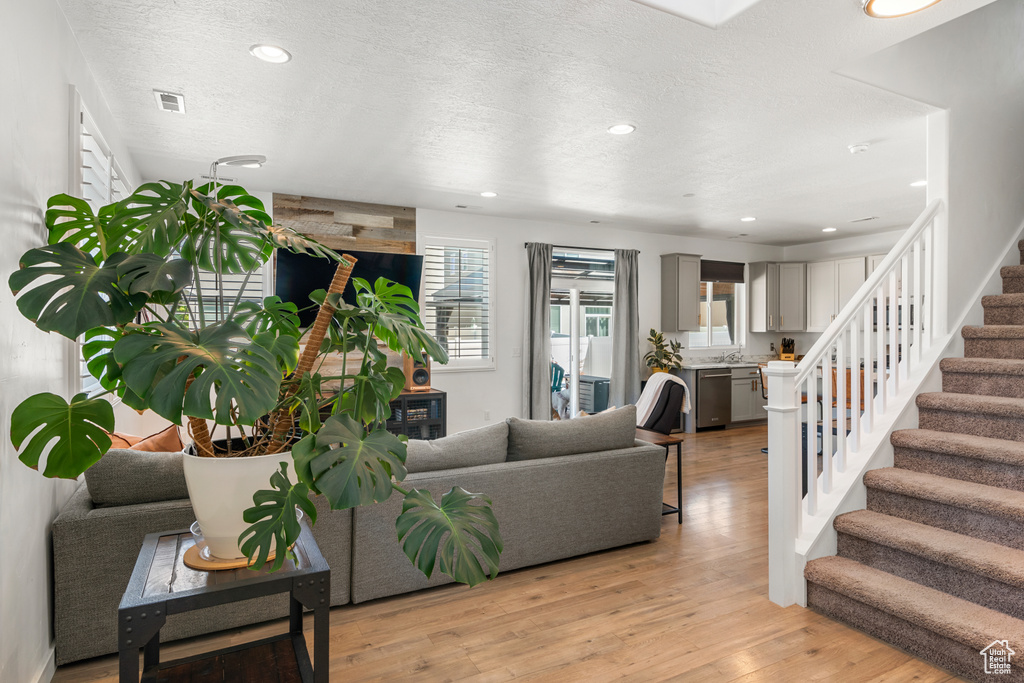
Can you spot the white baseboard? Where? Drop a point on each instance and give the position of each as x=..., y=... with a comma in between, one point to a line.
x=47, y=668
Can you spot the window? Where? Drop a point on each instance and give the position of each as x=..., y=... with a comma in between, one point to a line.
x=457, y=296
x=721, y=294
x=719, y=321
x=597, y=321
x=97, y=178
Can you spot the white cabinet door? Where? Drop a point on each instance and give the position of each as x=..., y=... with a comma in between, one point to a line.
x=792, y=297
x=850, y=275
x=821, y=295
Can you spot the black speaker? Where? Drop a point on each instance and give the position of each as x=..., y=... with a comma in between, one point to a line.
x=417, y=373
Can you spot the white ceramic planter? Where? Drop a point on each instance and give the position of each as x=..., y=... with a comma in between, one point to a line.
x=221, y=489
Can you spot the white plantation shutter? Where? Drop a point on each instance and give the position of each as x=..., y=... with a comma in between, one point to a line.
x=220, y=293
x=457, y=299
x=100, y=182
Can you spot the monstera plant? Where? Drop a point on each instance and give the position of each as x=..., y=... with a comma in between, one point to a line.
x=129, y=282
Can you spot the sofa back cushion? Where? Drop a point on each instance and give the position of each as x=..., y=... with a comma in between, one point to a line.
x=128, y=477
x=532, y=439
x=483, y=446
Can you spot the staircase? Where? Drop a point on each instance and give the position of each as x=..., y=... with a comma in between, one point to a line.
x=935, y=564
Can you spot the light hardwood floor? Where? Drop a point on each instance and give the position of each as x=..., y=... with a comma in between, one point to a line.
x=691, y=606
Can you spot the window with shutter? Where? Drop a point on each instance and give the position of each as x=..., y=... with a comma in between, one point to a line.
x=457, y=299
x=97, y=178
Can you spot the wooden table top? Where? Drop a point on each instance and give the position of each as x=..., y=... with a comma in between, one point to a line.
x=659, y=439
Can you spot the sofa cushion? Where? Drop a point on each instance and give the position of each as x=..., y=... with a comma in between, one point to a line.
x=128, y=477
x=531, y=439
x=483, y=446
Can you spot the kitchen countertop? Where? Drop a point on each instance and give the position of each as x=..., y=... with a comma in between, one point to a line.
x=713, y=365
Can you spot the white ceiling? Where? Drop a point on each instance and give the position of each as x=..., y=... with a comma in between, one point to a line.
x=427, y=104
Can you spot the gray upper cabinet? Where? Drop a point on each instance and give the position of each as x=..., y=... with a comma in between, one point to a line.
x=830, y=286
x=680, y=292
x=777, y=295
x=792, y=297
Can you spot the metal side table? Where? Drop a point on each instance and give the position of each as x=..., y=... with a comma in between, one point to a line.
x=161, y=585
x=667, y=441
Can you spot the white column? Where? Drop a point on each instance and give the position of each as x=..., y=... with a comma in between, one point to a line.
x=784, y=471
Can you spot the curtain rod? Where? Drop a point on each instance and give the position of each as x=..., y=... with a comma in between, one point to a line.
x=565, y=246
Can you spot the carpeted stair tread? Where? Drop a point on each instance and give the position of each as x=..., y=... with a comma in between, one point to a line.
x=996, y=406
x=987, y=500
x=1003, y=300
x=1011, y=271
x=951, y=617
x=960, y=445
x=983, y=366
x=992, y=331
x=974, y=555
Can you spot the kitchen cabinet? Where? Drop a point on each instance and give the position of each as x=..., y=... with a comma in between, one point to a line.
x=680, y=292
x=777, y=295
x=747, y=403
x=830, y=286
x=792, y=297
x=875, y=260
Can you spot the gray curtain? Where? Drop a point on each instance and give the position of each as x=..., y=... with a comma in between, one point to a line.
x=537, y=355
x=625, y=381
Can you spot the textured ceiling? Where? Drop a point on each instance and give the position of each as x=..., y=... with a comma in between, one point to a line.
x=429, y=103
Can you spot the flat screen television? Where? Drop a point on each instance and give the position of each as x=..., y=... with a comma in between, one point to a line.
x=300, y=274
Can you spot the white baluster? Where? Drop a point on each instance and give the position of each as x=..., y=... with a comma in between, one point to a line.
x=811, y=385
x=915, y=309
x=841, y=403
x=869, y=370
x=904, y=317
x=827, y=411
x=892, y=305
x=928, y=319
x=855, y=389
x=883, y=376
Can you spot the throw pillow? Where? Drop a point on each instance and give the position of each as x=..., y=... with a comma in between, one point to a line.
x=122, y=440
x=483, y=446
x=610, y=430
x=167, y=441
x=130, y=477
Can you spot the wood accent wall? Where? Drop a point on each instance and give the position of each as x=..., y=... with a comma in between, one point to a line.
x=343, y=225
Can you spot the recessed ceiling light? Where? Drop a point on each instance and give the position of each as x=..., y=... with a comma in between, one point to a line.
x=828, y=229
x=748, y=219
x=270, y=53
x=919, y=183
x=858, y=148
x=889, y=9
x=621, y=129
x=488, y=194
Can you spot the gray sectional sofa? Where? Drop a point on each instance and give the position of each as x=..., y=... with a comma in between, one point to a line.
x=558, y=490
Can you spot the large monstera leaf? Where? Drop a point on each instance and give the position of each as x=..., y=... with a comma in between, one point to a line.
x=157, y=363
x=275, y=524
x=348, y=465
x=78, y=431
x=398, y=323
x=72, y=220
x=286, y=238
x=456, y=534
x=274, y=315
x=224, y=236
x=77, y=294
x=158, y=277
x=150, y=220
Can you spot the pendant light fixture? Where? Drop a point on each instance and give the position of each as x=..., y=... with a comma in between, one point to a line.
x=890, y=9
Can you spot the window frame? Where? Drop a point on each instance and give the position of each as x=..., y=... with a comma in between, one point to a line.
x=490, y=244
x=741, y=326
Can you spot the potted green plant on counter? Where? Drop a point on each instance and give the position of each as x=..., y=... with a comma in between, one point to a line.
x=129, y=280
x=665, y=355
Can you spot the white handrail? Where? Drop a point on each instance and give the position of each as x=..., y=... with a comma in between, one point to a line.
x=867, y=290
x=829, y=415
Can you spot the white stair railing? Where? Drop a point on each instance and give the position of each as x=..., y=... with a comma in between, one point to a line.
x=826, y=414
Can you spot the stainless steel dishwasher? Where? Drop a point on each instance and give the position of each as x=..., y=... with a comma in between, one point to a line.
x=714, y=397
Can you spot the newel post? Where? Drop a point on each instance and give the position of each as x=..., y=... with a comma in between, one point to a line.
x=784, y=473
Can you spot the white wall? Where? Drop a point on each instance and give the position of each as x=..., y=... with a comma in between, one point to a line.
x=40, y=58
x=499, y=391
x=971, y=66
x=861, y=245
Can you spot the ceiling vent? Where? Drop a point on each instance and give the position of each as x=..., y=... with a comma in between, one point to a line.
x=169, y=101
x=864, y=220
x=220, y=179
